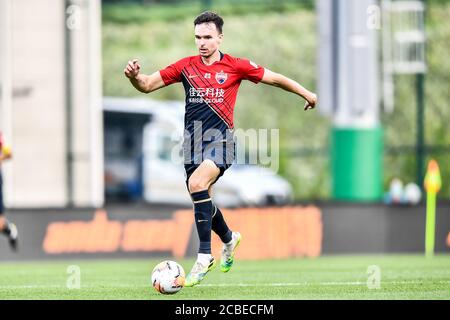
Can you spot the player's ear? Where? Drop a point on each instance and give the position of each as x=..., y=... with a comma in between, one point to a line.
x=220, y=37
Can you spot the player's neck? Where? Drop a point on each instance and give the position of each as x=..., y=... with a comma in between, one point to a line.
x=212, y=58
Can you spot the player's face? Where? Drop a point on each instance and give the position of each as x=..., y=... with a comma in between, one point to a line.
x=207, y=39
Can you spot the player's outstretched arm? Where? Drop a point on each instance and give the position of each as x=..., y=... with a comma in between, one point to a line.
x=279, y=80
x=142, y=82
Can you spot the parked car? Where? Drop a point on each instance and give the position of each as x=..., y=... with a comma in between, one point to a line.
x=251, y=185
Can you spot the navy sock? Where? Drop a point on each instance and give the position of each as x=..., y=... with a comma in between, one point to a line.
x=203, y=219
x=219, y=225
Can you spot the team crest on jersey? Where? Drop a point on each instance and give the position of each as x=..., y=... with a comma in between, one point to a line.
x=221, y=77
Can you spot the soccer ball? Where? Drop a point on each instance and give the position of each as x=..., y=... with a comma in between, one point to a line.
x=168, y=277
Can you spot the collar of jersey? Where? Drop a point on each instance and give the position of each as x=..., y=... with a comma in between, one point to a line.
x=221, y=57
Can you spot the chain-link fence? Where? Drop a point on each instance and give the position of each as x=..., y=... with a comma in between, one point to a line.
x=402, y=125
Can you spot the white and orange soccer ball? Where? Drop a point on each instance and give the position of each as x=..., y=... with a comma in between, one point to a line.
x=168, y=277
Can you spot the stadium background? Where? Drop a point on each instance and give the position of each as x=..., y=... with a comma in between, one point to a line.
x=59, y=58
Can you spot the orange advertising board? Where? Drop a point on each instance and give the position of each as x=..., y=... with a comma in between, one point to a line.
x=267, y=233
x=275, y=232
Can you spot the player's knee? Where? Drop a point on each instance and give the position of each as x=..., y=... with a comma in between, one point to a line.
x=197, y=184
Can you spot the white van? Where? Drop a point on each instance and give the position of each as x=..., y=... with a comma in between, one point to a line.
x=143, y=159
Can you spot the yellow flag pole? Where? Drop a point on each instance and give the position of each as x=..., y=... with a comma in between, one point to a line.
x=432, y=186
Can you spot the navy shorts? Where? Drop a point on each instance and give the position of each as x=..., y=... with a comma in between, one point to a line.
x=221, y=153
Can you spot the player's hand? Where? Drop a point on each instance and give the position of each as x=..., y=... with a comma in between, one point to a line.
x=132, y=69
x=311, y=102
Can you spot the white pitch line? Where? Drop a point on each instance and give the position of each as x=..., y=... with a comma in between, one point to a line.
x=295, y=284
x=277, y=284
x=82, y=286
x=32, y=286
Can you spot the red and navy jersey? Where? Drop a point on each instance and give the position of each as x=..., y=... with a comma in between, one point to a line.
x=211, y=90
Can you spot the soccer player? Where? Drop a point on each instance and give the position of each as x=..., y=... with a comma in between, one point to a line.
x=7, y=228
x=211, y=81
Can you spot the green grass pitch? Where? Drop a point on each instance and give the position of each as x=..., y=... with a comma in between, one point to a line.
x=327, y=277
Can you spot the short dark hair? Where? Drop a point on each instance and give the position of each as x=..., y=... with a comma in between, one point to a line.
x=209, y=16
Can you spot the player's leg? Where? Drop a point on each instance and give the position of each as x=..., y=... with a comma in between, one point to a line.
x=230, y=239
x=6, y=227
x=219, y=226
x=198, y=184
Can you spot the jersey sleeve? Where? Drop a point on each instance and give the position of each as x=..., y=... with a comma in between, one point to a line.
x=249, y=70
x=172, y=73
